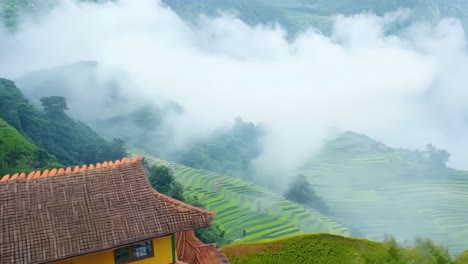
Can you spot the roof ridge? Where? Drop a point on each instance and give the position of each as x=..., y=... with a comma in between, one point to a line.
x=68, y=170
x=179, y=204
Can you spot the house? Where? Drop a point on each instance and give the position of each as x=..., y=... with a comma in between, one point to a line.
x=104, y=213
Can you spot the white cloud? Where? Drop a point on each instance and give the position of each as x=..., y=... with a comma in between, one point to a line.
x=406, y=90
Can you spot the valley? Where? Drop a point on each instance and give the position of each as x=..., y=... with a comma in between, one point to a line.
x=272, y=146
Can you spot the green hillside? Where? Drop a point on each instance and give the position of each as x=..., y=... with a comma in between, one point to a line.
x=325, y=248
x=372, y=189
x=17, y=154
x=242, y=205
x=135, y=120
x=380, y=190
x=70, y=141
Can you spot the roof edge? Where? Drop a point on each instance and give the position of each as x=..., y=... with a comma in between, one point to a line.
x=179, y=204
x=67, y=171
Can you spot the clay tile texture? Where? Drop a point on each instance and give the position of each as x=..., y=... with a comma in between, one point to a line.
x=44, y=219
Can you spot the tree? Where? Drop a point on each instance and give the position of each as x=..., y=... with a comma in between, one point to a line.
x=300, y=191
x=437, y=156
x=162, y=179
x=210, y=234
x=54, y=104
x=105, y=150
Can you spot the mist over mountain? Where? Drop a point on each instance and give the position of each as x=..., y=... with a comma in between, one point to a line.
x=111, y=107
x=160, y=55
x=293, y=15
x=171, y=76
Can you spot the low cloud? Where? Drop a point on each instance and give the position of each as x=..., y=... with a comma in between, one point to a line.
x=406, y=89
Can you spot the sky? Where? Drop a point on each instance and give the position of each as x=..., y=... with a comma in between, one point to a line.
x=406, y=90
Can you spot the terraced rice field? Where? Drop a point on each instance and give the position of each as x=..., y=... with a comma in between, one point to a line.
x=371, y=189
x=242, y=205
x=377, y=194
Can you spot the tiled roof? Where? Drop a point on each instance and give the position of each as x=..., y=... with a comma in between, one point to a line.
x=61, y=213
x=193, y=251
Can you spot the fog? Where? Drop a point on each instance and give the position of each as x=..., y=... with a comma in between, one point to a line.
x=405, y=89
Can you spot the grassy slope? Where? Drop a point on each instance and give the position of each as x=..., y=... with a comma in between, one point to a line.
x=11, y=140
x=317, y=248
x=378, y=190
x=369, y=187
x=17, y=154
x=241, y=205
x=325, y=248
x=463, y=258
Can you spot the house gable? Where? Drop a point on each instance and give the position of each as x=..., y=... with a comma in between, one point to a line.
x=64, y=213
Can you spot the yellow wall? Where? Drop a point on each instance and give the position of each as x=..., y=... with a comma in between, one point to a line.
x=162, y=255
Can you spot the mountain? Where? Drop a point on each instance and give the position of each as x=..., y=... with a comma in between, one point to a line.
x=381, y=190
x=367, y=185
x=104, y=90
x=293, y=15
x=70, y=141
x=369, y=188
x=10, y=10
x=297, y=15
x=245, y=206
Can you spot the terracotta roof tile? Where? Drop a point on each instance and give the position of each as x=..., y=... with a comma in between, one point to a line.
x=14, y=177
x=22, y=176
x=191, y=250
x=31, y=175
x=37, y=175
x=5, y=178
x=52, y=172
x=65, y=214
x=45, y=173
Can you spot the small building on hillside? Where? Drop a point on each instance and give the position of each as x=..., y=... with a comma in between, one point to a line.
x=98, y=214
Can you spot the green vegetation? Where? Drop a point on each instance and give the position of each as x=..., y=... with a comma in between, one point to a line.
x=70, y=141
x=296, y=15
x=162, y=179
x=137, y=121
x=229, y=150
x=368, y=187
x=11, y=10
x=17, y=154
x=244, y=206
x=211, y=234
x=300, y=191
x=375, y=189
x=326, y=248
x=462, y=258
x=293, y=15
